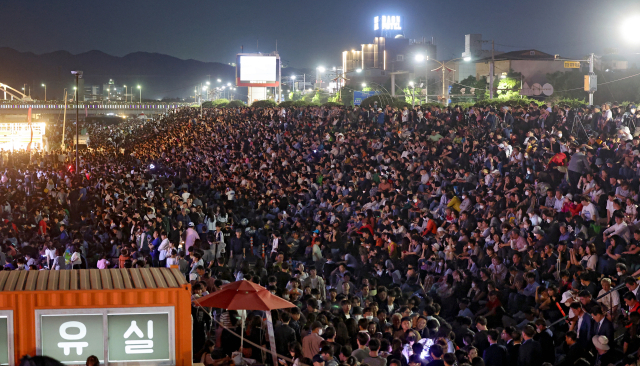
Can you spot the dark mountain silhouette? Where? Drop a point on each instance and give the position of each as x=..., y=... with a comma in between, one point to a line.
x=159, y=75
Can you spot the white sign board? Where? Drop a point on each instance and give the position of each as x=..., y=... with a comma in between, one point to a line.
x=120, y=336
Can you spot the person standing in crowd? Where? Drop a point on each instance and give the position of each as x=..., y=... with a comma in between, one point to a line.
x=413, y=236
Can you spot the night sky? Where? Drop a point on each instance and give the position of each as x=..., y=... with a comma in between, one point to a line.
x=309, y=33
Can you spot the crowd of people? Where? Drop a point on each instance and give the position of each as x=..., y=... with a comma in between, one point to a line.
x=405, y=237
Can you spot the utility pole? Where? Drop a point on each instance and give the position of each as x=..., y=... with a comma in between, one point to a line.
x=78, y=75
x=491, y=67
x=444, y=98
x=591, y=59
x=426, y=80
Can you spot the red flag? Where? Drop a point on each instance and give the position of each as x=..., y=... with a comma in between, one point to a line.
x=86, y=112
x=29, y=116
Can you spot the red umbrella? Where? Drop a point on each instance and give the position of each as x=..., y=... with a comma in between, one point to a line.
x=243, y=295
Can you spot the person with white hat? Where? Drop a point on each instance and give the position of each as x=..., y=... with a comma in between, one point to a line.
x=604, y=354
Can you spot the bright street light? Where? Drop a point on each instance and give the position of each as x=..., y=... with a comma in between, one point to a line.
x=219, y=80
x=364, y=85
x=321, y=69
x=411, y=83
x=204, y=88
x=419, y=58
x=358, y=70
x=293, y=77
x=631, y=29
x=467, y=59
x=228, y=84
x=208, y=83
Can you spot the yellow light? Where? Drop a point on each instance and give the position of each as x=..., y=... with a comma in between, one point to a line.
x=384, y=67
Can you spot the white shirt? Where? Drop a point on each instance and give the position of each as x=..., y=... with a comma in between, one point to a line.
x=558, y=204
x=164, y=246
x=577, y=330
x=589, y=211
x=172, y=262
x=611, y=300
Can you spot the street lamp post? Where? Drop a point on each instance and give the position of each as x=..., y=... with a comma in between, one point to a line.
x=139, y=88
x=45, y=92
x=420, y=58
x=443, y=66
x=125, y=93
x=293, y=81
x=78, y=75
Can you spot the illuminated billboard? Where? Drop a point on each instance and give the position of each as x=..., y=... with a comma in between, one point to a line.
x=387, y=22
x=256, y=70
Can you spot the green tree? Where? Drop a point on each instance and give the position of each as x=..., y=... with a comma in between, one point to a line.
x=263, y=103
x=510, y=86
x=474, y=90
x=236, y=103
x=296, y=95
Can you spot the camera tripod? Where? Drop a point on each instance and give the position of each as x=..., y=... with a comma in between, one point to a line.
x=577, y=126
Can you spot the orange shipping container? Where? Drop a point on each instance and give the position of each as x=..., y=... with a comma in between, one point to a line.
x=28, y=293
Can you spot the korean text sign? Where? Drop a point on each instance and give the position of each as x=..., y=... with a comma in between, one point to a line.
x=118, y=335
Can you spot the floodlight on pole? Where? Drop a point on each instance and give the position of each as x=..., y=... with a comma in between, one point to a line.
x=467, y=59
x=78, y=75
x=419, y=57
x=631, y=29
x=321, y=69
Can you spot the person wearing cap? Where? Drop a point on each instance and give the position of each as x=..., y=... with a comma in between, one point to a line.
x=605, y=355
x=190, y=236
